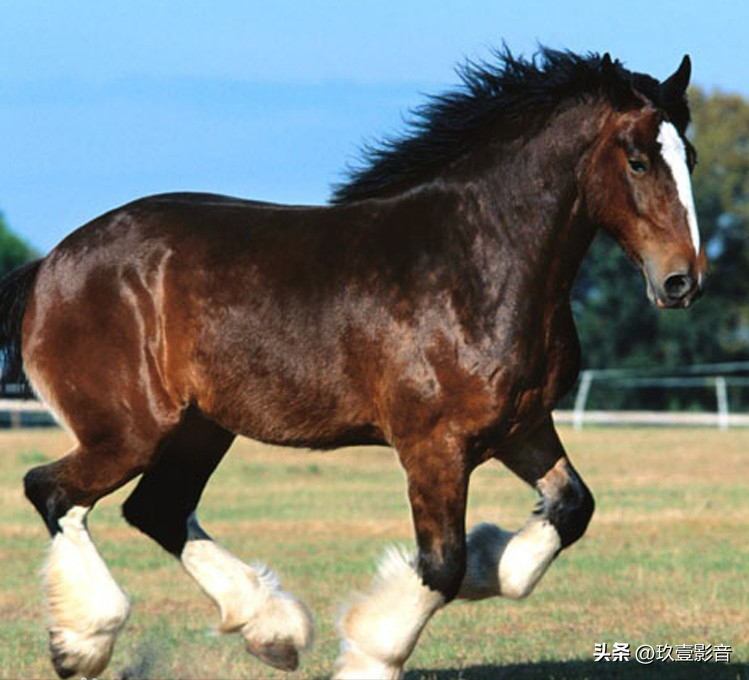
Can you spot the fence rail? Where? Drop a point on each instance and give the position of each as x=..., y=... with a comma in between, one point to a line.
x=716, y=377
x=24, y=413
x=651, y=419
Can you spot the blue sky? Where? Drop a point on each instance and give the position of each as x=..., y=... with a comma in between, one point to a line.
x=102, y=102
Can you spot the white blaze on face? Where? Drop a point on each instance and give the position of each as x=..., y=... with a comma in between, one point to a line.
x=675, y=155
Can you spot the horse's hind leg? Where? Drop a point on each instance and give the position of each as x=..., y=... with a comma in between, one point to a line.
x=118, y=431
x=275, y=626
x=86, y=606
x=511, y=563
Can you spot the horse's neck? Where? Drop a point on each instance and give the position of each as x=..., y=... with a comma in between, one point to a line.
x=529, y=203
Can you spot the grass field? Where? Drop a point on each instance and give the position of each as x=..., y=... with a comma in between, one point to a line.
x=665, y=561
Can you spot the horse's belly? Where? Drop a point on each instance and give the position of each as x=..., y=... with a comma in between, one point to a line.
x=263, y=409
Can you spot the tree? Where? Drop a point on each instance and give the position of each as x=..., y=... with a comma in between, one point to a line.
x=13, y=250
x=618, y=328
x=721, y=188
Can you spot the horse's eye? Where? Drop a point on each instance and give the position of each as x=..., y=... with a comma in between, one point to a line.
x=638, y=166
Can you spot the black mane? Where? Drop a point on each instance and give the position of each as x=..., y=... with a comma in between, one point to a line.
x=505, y=93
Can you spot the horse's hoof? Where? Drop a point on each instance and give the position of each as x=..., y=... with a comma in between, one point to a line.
x=281, y=654
x=73, y=653
x=280, y=633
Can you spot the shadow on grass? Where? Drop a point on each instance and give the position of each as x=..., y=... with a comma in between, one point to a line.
x=590, y=670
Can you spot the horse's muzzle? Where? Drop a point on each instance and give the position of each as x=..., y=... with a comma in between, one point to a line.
x=677, y=291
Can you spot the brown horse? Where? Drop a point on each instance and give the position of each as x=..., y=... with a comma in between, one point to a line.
x=427, y=308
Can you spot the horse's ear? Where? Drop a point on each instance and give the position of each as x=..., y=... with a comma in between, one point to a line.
x=674, y=94
x=673, y=88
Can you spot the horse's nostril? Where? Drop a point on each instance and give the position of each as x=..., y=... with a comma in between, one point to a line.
x=678, y=286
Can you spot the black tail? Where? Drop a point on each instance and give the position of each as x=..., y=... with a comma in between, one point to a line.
x=15, y=289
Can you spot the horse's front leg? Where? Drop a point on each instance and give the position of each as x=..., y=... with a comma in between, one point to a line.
x=511, y=563
x=381, y=628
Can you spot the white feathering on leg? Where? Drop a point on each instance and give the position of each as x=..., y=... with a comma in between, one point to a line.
x=527, y=557
x=86, y=606
x=275, y=625
x=508, y=564
x=380, y=629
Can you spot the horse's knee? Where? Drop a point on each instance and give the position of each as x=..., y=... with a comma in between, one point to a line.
x=444, y=572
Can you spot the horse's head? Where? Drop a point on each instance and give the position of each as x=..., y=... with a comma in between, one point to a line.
x=637, y=184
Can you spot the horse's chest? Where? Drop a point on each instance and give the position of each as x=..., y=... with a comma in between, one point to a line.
x=543, y=369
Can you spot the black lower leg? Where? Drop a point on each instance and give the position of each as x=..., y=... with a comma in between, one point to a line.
x=42, y=488
x=169, y=491
x=443, y=570
x=566, y=502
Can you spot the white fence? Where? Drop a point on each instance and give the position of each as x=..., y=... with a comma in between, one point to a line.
x=24, y=412
x=714, y=377
x=651, y=419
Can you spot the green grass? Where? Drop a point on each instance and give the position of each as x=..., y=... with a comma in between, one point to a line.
x=664, y=561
